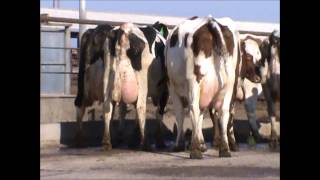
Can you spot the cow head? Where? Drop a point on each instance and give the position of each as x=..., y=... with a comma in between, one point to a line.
x=251, y=58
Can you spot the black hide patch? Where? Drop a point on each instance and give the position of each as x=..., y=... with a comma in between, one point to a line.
x=150, y=35
x=91, y=50
x=186, y=39
x=159, y=49
x=135, y=51
x=193, y=18
x=98, y=36
x=174, y=38
x=115, y=36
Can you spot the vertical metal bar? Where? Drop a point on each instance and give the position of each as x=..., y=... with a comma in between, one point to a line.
x=82, y=16
x=67, y=59
x=56, y=4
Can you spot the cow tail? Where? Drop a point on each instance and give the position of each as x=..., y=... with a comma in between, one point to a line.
x=220, y=49
x=79, y=97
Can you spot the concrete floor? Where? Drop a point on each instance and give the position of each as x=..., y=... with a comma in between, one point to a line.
x=93, y=163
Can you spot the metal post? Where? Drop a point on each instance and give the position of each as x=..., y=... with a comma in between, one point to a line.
x=67, y=60
x=56, y=4
x=82, y=15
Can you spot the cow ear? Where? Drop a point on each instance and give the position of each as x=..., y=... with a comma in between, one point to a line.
x=257, y=39
x=162, y=28
x=264, y=49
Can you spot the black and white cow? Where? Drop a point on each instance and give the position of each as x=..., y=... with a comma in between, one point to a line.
x=270, y=71
x=202, y=61
x=128, y=66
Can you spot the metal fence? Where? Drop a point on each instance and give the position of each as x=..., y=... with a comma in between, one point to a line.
x=59, y=61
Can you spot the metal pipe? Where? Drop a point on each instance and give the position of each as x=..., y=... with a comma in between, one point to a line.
x=56, y=4
x=46, y=19
x=56, y=64
x=45, y=72
x=67, y=59
x=46, y=47
x=82, y=16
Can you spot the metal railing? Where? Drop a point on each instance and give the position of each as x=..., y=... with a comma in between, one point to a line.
x=67, y=72
x=67, y=23
x=46, y=19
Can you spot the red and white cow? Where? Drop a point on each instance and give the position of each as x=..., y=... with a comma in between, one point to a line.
x=202, y=61
x=246, y=89
x=260, y=48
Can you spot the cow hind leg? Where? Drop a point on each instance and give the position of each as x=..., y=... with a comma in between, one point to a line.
x=196, y=119
x=216, y=133
x=224, y=150
x=179, y=113
x=160, y=112
x=79, y=132
x=141, y=112
x=122, y=114
x=107, y=112
x=230, y=133
x=203, y=146
x=195, y=151
x=274, y=139
x=272, y=117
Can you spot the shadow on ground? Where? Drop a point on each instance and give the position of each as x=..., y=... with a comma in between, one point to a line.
x=93, y=133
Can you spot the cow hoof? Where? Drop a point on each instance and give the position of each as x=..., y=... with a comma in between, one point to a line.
x=234, y=147
x=146, y=147
x=107, y=147
x=215, y=145
x=273, y=145
x=160, y=145
x=196, y=154
x=203, y=147
x=224, y=154
x=179, y=148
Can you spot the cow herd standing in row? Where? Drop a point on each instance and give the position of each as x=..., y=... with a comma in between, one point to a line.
x=202, y=64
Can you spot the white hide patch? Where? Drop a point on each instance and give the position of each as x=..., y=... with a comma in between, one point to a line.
x=251, y=88
x=203, y=62
x=189, y=26
x=276, y=67
x=275, y=63
x=252, y=48
x=226, y=21
x=131, y=28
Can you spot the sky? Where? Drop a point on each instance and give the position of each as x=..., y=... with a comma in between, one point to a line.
x=249, y=10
